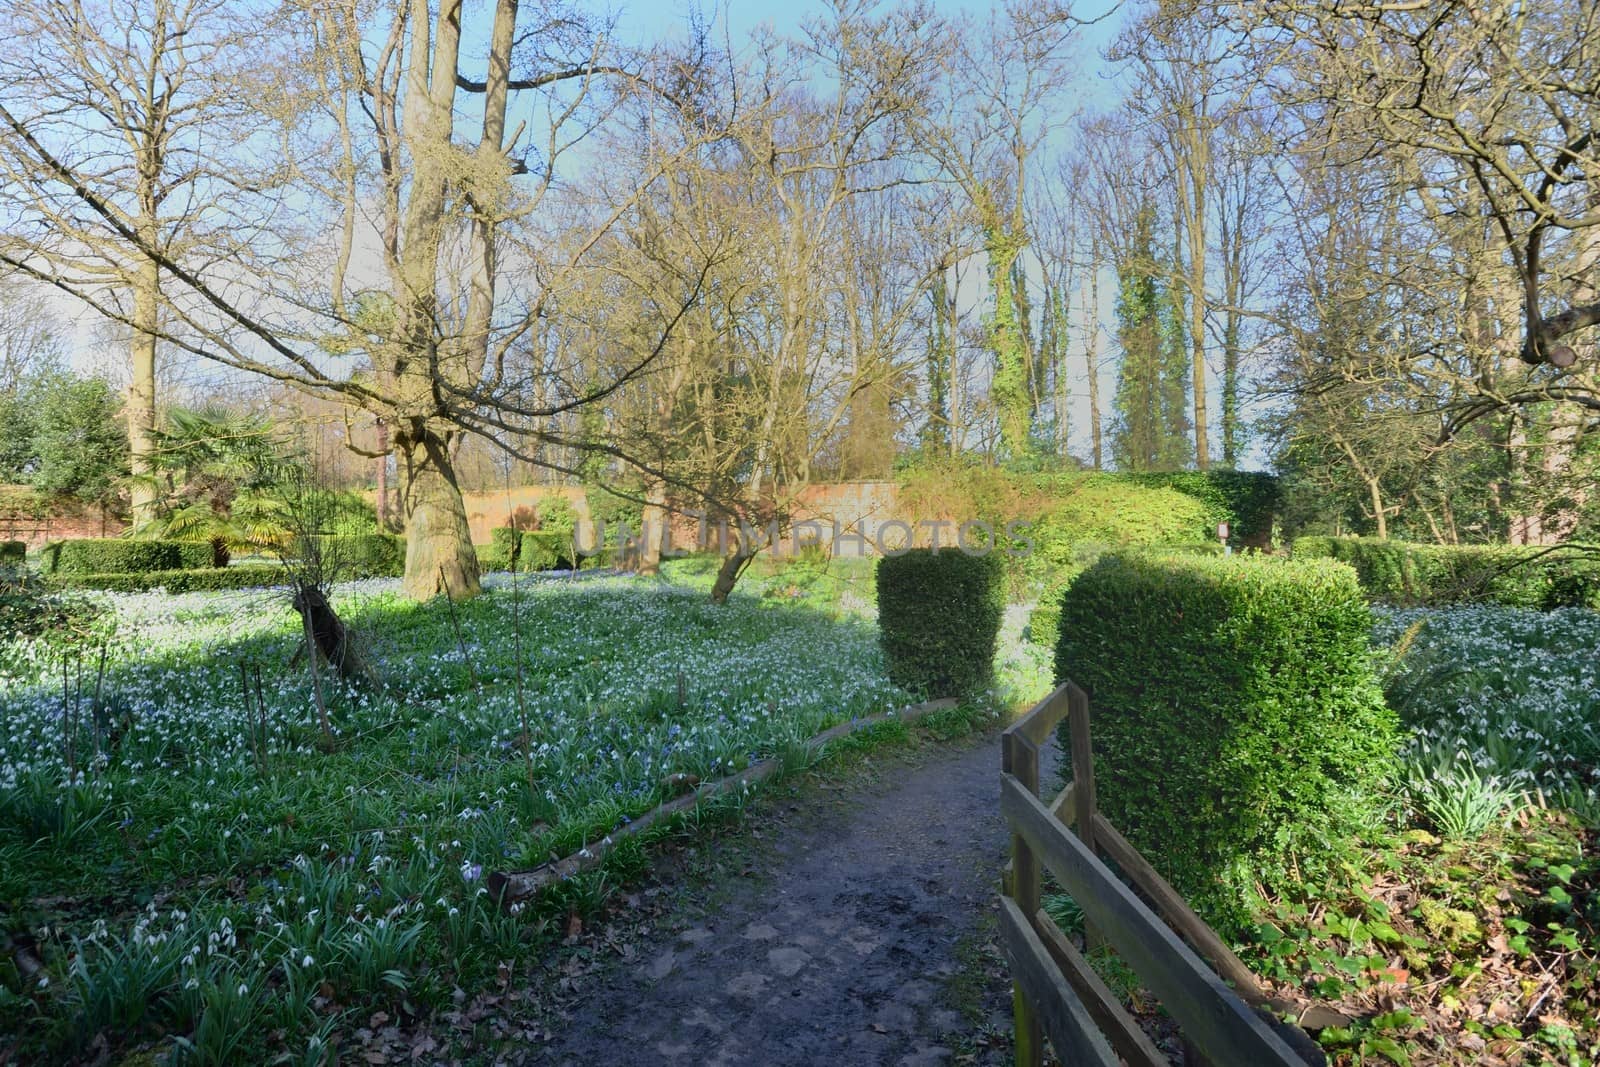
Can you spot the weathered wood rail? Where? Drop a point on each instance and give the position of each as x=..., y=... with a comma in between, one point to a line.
x=1055, y=993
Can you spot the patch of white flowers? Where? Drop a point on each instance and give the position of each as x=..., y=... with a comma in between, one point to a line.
x=1509, y=692
x=427, y=791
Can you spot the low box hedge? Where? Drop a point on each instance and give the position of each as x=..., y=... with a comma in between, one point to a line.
x=363, y=555
x=1239, y=732
x=105, y=555
x=177, y=581
x=939, y=617
x=13, y=553
x=1518, y=576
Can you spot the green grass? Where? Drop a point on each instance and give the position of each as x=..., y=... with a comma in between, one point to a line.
x=207, y=871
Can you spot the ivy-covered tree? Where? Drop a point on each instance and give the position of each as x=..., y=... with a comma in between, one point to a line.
x=1152, y=428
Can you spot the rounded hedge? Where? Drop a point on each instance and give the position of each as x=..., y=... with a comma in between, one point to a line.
x=939, y=617
x=1239, y=731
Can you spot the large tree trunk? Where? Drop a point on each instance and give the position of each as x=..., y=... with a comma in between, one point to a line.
x=142, y=392
x=733, y=565
x=653, y=534
x=439, y=554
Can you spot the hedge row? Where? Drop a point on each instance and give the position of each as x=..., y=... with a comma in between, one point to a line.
x=1246, y=500
x=1044, y=623
x=105, y=555
x=176, y=581
x=531, y=550
x=1511, y=575
x=939, y=620
x=13, y=552
x=362, y=555
x=1239, y=732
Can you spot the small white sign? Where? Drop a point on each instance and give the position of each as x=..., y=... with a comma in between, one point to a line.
x=1222, y=532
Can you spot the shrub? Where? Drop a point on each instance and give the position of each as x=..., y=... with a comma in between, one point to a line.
x=505, y=543
x=1076, y=513
x=176, y=581
x=613, y=512
x=101, y=555
x=1246, y=500
x=557, y=516
x=13, y=553
x=1239, y=731
x=363, y=555
x=939, y=620
x=31, y=608
x=1510, y=575
x=1044, y=623
x=544, y=550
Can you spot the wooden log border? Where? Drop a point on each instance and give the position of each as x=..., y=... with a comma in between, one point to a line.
x=508, y=887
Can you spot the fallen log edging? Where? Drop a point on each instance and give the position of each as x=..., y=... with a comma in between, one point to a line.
x=508, y=887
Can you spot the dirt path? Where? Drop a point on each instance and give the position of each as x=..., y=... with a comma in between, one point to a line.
x=867, y=940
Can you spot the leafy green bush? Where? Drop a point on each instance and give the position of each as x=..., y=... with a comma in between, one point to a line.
x=31, y=608
x=1073, y=514
x=13, y=553
x=615, y=512
x=343, y=512
x=1510, y=575
x=939, y=620
x=1239, y=731
x=505, y=543
x=1246, y=500
x=558, y=517
x=363, y=555
x=544, y=550
x=102, y=555
x=176, y=581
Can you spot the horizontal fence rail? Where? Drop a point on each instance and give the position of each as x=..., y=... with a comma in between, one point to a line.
x=1056, y=994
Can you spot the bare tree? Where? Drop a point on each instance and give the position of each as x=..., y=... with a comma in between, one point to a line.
x=364, y=119
x=115, y=121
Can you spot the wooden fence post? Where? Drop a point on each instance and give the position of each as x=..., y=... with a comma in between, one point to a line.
x=1020, y=757
x=1083, y=793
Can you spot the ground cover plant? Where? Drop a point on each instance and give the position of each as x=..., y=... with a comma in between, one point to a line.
x=185, y=862
x=1468, y=931
x=1460, y=923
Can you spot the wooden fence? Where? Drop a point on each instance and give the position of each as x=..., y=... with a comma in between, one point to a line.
x=1055, y=993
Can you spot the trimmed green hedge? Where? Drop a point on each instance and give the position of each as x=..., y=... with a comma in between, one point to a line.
x=545, y=550
x=939, y=620
x=176, y=581
x=1511, y=575
x=364, y=555
x=1239, y=731
x=104, y=555
x=1044, y=622
x=13, y=552
x=505, y=543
